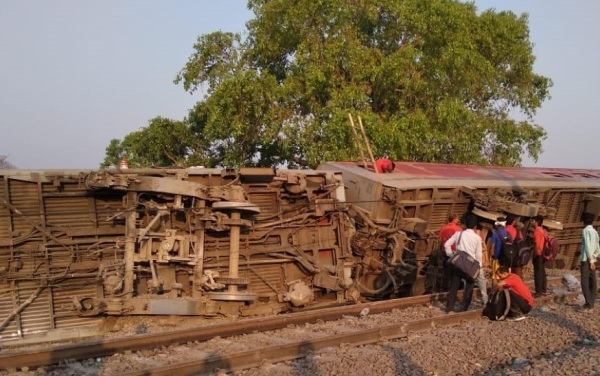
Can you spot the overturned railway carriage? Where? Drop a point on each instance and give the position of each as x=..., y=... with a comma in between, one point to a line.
x=79, y=245
x=417, y=198
x=76, y=245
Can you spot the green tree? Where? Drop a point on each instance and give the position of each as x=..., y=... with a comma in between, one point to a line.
x=163, y=142
x=433, y=81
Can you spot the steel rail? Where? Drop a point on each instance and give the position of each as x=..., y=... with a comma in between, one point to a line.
x=300, y=349
x=104, y=347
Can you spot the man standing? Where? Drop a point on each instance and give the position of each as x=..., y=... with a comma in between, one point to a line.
x=511, y=228
x=449, y=228
x=515, y=230
x=539, y=269
x=499, y=237
x=590, y=251
x=469, y=242
x=446, y=232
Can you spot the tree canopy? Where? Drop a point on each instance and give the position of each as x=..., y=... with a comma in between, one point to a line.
x=5, y=163
x=433, y=81
x=163, y=142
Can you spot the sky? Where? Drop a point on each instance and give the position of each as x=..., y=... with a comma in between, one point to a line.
x=75, y=74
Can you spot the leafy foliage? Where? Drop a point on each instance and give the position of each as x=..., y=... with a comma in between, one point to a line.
x=5, y=163
x=164, y=142
x=433, y=81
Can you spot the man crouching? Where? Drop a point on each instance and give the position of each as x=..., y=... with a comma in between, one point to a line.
x=515, y=295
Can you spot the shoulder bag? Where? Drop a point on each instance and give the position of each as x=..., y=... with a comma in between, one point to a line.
x=464, y=262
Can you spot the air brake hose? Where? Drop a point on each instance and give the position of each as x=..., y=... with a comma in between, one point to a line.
x=367, y=291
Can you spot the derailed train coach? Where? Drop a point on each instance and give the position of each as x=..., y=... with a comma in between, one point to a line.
x=417, y=198
x=79, y=245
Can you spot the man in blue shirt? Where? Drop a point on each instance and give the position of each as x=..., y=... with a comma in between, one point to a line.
x=590, y=252
x=499, y=233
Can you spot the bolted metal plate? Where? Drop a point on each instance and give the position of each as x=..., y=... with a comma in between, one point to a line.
x=174, y=306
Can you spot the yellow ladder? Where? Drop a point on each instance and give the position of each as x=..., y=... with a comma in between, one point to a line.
x=362, y=143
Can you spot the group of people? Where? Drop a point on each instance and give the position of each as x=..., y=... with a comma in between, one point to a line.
x=510, y=247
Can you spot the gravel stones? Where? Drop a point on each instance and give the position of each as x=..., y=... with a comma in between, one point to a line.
x=558, y=339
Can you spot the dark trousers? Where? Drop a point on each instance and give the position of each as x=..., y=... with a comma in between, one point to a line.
x=436, y=278
x=518, y=305
x=539, y=274
x=447, y=273
x=455, y=277
x=589, y=284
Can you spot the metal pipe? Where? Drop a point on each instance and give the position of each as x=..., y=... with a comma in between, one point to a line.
x=234, y=251
x=250, y=263
x=155, y=282
x=198, y=254
x=130, y=234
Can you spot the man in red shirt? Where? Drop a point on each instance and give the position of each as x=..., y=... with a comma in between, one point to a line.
x=450, y=228
x=446, y=233
x=516, y=236
x=510, y=227
x=539, y=269
x=521, y=300
x=384, y=165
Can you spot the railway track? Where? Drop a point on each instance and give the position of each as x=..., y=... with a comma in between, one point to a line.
x=105, y=347
x=299, y=349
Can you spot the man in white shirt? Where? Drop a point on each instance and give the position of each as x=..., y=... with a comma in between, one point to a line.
x=590, y=252
x=467, y=241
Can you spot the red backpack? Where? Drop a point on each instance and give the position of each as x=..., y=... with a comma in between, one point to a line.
x=550, y=247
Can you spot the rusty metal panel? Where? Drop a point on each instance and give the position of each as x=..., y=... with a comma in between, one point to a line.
x=7, y=304
x=439, y=216
x=62, y=297
x=68, y=212
x=570, y=207
x=460, y=208
x=267, y=202
x=4, y=212
x=106, y=208
x=24, y=196
x=265, y=279
x=36, y=317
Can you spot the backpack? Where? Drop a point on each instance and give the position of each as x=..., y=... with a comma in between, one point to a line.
x=524, y=253
x=498, y=305
x=550, y=247
x=508, y=253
